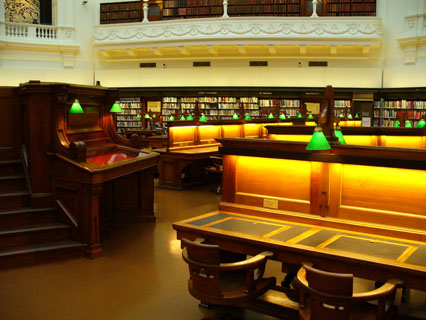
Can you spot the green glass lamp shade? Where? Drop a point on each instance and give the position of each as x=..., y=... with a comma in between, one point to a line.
x=203, y=118
x=339, y=135
x=421, y=124
x=397, y=124
x=190, y=117
x=318, y=141
x=235, y=116
x=341, y=115
x=310, y=116
x=138, y=116
x=408, y=124
x=271, y=116
x=76, y=107
x=182, y=118
x=282, y=116
x=299, y=116
x=349, y=116
x=172, y=118
x=146, y=116
x=154, y=116
x=115, y=107
x=247, y=117
x=356, y=116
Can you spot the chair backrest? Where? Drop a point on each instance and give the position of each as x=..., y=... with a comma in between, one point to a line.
x=325, y=289
x=203, y=262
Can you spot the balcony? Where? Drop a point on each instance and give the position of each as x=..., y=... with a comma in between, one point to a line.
x=52, y=42
x=239, y=37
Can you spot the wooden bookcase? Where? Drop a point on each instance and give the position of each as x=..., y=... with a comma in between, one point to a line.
x=128, y=119
x=121, y=12
x=387, y=112
x=351, y=7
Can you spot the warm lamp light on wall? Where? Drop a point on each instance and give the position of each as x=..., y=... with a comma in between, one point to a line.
x=115, y=107
x=76, y=107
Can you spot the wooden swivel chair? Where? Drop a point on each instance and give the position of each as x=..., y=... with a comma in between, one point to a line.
x=329, y=296
x=224, y=284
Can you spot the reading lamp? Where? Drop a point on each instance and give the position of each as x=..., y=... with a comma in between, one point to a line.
x=299, y=116
x=115, y=107
x=190, y=117
x=325, y=133
x=421, y=123
x=271, y=116
x=408, y=124
x=138, y=116
x=247, y=117
x=397, y=124
x=76, y=107
x=182, y=118
x=357, y=116
x=310, y=116
x=172, y=118
x=349, y=116
x=154, y=116
x=146, y=116
x=282, y=116
x=203, y=118
x=235, y=116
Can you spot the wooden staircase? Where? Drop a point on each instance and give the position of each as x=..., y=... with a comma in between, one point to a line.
x=29, y=235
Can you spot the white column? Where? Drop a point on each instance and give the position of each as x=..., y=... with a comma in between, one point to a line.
x=2, y=13
x=314, y=9
x=225, y=9
x=145, y=11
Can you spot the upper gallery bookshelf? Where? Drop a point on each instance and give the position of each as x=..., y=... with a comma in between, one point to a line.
x=124, y=12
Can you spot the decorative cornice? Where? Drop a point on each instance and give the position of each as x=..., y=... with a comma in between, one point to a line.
x=279, y=29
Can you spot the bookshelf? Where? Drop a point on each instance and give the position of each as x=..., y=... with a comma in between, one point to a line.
x=170, y=107
x=290, y=107
x=122, y=12
x=227, y=106
x=208, y=106
x=250, y=105
x=188, y=106
x=187, y=9
x=342, y=107
x=387, y=112
x=268, y=106
x=351, y=7
x=127, y=119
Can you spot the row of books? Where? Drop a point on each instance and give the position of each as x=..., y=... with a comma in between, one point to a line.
x=258, y=9
x=257, y=2
x=192, y=3
x=120, y=15
x=402, y=104
x=349, y=1
x=342, y=103
x=125, y=6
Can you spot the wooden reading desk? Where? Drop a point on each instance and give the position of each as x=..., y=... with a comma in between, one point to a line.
x=357, y=209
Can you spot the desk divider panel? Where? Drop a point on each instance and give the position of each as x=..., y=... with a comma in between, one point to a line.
x=251, y=130
x=232, y=131
x=208, y=134
x=182, y=136
x=404, y=142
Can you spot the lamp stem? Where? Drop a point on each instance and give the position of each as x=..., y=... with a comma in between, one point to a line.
x=314, y=9
x=225, y=9
x=145, y=12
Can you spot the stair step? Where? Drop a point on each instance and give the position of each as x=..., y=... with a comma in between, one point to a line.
x=14, y=200
x=10, y=167
x=41, y=253
x=12, y=183
x=26, y=216
x=42, y=233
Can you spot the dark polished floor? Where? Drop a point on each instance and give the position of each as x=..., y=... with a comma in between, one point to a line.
x=141, y=276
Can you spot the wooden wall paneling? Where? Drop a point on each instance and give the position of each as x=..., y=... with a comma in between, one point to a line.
x=125, y=193
x=388, y=196
x=182, y=136
x=10, y=124
x=228, y=178
x=404, y=142
x=251, y=130
x=273, y=183
x=208, y=134
x=232, y=131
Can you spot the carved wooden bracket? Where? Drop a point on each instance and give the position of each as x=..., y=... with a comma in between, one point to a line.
x=78, y=151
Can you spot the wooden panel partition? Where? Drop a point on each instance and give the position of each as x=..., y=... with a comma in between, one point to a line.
x=350, y=187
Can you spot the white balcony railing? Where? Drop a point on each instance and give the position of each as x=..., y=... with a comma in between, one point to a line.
x=24, y=36
x=134, y=39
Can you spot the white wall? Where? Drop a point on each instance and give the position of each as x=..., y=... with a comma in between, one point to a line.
x=281, y=72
